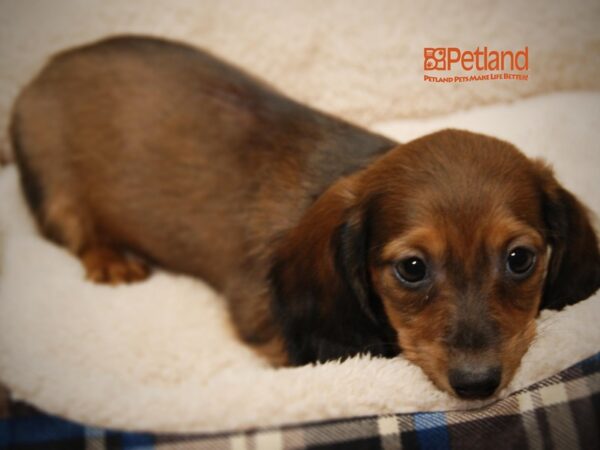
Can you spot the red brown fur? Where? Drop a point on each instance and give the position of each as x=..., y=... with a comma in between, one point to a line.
x=137, y=151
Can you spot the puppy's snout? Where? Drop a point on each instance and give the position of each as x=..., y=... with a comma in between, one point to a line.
x=472, y=384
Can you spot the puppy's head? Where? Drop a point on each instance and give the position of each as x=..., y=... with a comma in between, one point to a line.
x=445, y=248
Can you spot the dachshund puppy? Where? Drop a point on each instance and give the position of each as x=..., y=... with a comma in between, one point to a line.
x=326, y=239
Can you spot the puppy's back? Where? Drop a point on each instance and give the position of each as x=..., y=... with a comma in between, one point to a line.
x=164, y=149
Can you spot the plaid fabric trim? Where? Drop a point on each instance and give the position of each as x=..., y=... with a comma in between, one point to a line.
x=561, y=412
x=4, y=402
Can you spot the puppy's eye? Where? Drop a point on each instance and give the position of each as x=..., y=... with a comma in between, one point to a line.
x=520, y=261
x=411, y=271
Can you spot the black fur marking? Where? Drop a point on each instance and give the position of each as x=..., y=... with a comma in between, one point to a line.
x=474, y=336
x=357, y=323
x=574, y=270
x=29, y=180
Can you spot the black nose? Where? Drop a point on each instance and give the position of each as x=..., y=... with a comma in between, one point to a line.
x=475, y=384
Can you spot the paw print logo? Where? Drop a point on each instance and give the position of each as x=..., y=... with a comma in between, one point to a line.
x=434, y=58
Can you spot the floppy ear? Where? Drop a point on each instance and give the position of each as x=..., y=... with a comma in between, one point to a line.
x=574, y=268
x=322, y=297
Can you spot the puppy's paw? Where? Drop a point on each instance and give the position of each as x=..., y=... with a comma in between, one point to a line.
x=109, y=266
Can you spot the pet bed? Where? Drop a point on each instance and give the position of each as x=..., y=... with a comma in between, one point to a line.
x=560, y=412
x=161, y=355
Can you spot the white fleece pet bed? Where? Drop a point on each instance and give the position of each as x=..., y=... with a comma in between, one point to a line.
x=161, y=355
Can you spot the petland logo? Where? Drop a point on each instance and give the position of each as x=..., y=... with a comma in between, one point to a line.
x=501, y=64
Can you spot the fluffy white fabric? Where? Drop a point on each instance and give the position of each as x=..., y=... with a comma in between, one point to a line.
x=161, y=355
x=361, y=59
